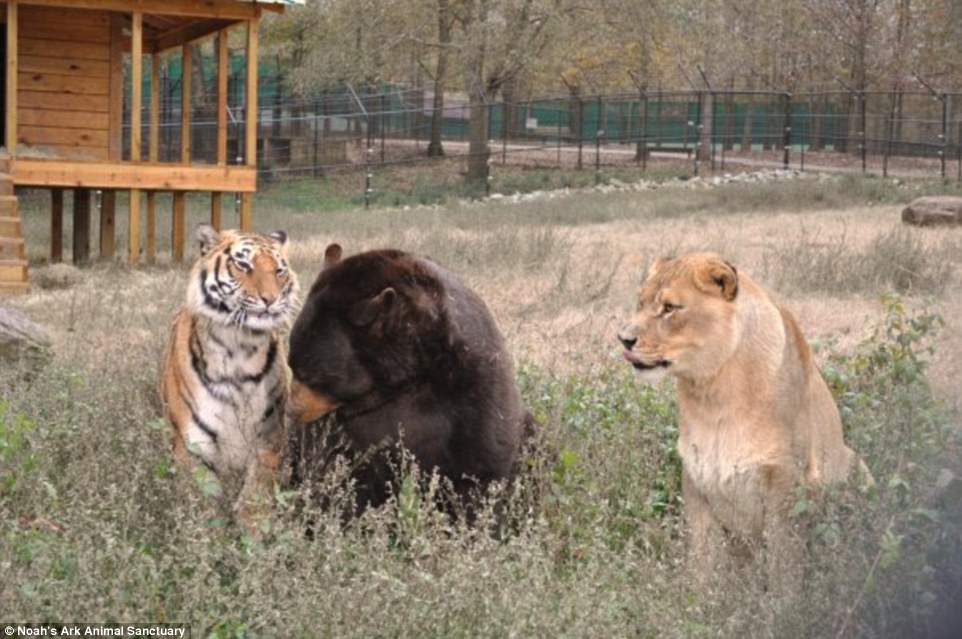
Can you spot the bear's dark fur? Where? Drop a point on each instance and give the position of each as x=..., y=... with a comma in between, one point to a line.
x=406, y=351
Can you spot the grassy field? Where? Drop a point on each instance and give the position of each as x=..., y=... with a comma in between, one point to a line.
x=95, y=524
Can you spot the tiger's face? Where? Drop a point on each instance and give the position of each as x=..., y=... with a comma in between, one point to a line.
x=243, y=279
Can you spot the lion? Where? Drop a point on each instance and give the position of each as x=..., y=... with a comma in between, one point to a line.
x=756, y=419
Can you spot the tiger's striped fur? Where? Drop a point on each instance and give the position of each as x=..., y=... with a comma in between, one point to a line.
x=224, y=379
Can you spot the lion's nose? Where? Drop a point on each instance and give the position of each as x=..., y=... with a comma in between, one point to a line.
x=628, y=342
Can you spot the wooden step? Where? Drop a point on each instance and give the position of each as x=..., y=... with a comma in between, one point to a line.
x=13, y=270
x=11, y=248
x=14, y=288
x=6, y=184
x=8, y=205
x=10, y=226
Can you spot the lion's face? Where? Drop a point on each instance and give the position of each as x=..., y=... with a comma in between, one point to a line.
x=684, y=322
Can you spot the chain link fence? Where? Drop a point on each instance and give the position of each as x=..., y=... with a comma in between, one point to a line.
x=352, y=130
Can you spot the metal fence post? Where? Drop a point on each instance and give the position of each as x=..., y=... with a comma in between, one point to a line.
x=581, y=120
x=861, y=96
x=945, y=132
x=599, y=133
x=787, y=131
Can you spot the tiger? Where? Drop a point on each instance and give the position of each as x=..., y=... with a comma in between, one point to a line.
x=224, y=379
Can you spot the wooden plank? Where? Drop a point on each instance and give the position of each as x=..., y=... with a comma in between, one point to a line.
x=49, y=136
x=62, y=15
x=91, y=120
x=133, y=228
x=222, y=77
x=187, y=33
x=56, y=225
x=55, y=83
x=64, y=66
x=13, y=271
x=115, y=175
x=246, y=211
x=63, y=101
x=250, y=141
x=108, y=210
x=153, y=152
x=11, y=248
x=216, y=200
x=81, y=50
x=136, y=82
x=151, y=227
x=115, y=105
x=186, y=8
x=177, y=227
x=11, y=84
x=185, y=77
x=66, y=31
x=81, y=226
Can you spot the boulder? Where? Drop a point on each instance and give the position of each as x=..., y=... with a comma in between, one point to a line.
x=23, y=343
x=934, y=210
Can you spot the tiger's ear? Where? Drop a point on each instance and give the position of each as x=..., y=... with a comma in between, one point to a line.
x=718, y=276
x=332, y=255
x=280, y=236
x=207, y=237
x=366, y=311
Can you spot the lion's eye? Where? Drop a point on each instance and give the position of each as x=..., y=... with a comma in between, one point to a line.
x=668, y=309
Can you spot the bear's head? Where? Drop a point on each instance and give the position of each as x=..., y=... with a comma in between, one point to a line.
x=371, y=322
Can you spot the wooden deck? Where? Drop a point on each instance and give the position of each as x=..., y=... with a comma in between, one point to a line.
x=128, y=175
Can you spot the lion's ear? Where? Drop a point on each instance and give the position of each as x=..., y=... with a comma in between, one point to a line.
x=332, y=255
x=719, y=276
x=657, y=264
x=366, y=311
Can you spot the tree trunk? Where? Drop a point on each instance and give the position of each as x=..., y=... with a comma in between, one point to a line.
x=437, y=106
x=478, y=148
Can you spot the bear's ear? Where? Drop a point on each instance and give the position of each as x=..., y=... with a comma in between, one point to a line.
x=332, y=255
x=207, y=237
x=366, y=311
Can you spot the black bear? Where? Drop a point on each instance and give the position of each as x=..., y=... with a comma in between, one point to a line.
x=399, y=351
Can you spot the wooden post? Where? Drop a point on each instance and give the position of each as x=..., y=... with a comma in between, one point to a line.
x=115, y=112
x=185, y=104
x=151, y=227
x=136, y=75
x=246, y=206
x=81, y=226
x=56, y=225
x=136, y=82
x=153, y=152
x=250, y=137
x=216, y=198
x=177, y=232
x=222, y=97
x=133, y=231
x=11, y=88
x=108, y=208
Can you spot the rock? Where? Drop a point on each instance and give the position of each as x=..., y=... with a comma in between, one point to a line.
x=934, y=210
x=23, y=343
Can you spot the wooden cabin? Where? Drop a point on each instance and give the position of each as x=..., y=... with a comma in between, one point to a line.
x=64, y=85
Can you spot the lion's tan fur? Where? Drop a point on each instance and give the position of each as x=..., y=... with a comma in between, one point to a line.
x=756, y=419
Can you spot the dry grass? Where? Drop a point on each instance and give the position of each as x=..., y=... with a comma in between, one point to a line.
x=95, y=526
